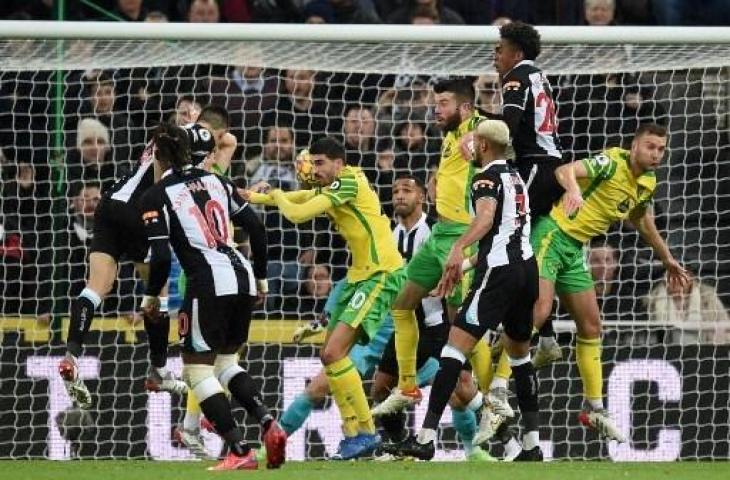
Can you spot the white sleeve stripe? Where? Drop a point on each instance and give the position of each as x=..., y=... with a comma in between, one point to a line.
x=161, y=237
x=521, y=107
x=240, y=209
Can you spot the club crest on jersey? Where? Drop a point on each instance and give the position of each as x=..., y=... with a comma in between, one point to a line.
x=624, y=206
x=483, y=183
x=512, y=85
x=151, y=217
x=446, y=150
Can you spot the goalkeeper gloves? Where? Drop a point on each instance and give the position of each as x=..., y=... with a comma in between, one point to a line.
x=310, y=329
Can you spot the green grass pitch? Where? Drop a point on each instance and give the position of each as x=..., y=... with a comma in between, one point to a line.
x=328, y=470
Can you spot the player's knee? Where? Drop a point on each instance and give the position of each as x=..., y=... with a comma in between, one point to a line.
x=589, y=327
x=330, y=354
x=541, y=311
x=201, y=380
x=226, y=367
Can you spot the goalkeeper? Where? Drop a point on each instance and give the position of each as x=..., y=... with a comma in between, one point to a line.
x=612, y=186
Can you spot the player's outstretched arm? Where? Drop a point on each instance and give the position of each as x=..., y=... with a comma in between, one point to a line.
x=257, y=198
x=301, y=212
x=642, y=218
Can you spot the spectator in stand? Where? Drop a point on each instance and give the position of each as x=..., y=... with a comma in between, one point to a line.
x=318, y=12
x=26, y=219
x=247, y=92
x=600, y=12
x=237, y=11
x=425, y=9
x=425, y=15
x=92, y=158
x=204, y=11
x=156, y=16
x=603, y=261
x=488, y=93
x=276, y=164
x=474, y=12
x=302, y=103
x=125, y=136
x=129, y=10
x=639, y=106
x=350, y=11
x=695, y=311
x=359, y=139
x=186, y=111
x=686, y=12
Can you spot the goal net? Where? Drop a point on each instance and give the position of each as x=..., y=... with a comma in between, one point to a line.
x=75, y=114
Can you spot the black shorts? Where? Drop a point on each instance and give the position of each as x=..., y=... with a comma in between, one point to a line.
x=542, y=186
x=209, y=323
x=501, y=295
x=119, y=231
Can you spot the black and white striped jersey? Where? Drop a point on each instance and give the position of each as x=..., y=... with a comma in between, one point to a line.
x=192, y=210
x=529, y=111
x=129, y=189
x=508, y=241
x=430, y=313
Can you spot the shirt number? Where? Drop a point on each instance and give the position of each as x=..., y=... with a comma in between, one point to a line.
x=548, y=124
x=213, y=224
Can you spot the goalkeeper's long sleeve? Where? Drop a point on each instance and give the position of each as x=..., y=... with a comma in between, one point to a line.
x=301, y=212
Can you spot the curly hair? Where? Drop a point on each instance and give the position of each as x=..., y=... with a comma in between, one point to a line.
x=524, y=37
x=173, y=146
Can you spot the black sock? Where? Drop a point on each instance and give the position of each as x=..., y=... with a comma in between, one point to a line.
x=217, y=409
x=82, y=314
x=547, y=329
x=443, y=387
x=158, y=330
x=526, y=386
x=244, y=390
x=394, y=426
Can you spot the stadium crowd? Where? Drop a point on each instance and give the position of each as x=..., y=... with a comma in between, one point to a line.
x=384, y=121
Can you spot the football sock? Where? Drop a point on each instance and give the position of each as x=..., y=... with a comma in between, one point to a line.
x=452, y=360
x=82, y=314
x=481, y=362
x=526, y=389
x=406, y=346
x=503, y=369
x=245, y=391
x=158, y=329
x=588, y=358
x=465, y=424
x=346, y=386
x=547, y=329
x=394, y=425
x=296, y=413
x=191, y=421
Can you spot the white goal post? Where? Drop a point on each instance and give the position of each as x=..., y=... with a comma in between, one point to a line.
x=667, y=357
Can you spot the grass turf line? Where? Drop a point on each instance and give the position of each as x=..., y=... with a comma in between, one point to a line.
x=329, y=470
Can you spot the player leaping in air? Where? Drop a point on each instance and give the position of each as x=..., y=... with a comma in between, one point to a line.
x=614, y=185
x=119, y=232
x=374, y=278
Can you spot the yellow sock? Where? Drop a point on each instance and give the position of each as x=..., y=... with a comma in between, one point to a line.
x=192, y=406
x=503, y=368
x=588, y=357
x=347, y=389
x=481, y=363
x=406, y=346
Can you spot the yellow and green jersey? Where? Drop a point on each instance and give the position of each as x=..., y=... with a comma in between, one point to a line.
x=358, y=217
x=610, y=193
x=453, y=179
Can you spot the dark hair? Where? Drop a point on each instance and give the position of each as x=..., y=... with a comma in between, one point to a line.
x=216, y=116
x=173, y=145
x=651, y=129
x=329, y=147
x=524, y=37
x=104, y=78
x=416, y=179
x=462, y=87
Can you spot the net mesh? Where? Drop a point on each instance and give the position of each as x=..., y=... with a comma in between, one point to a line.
x=65, y=135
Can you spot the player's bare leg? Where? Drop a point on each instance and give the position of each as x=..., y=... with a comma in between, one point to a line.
x=548, y=351
x=102, y=273
x=406, y=346
x=583, y=308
